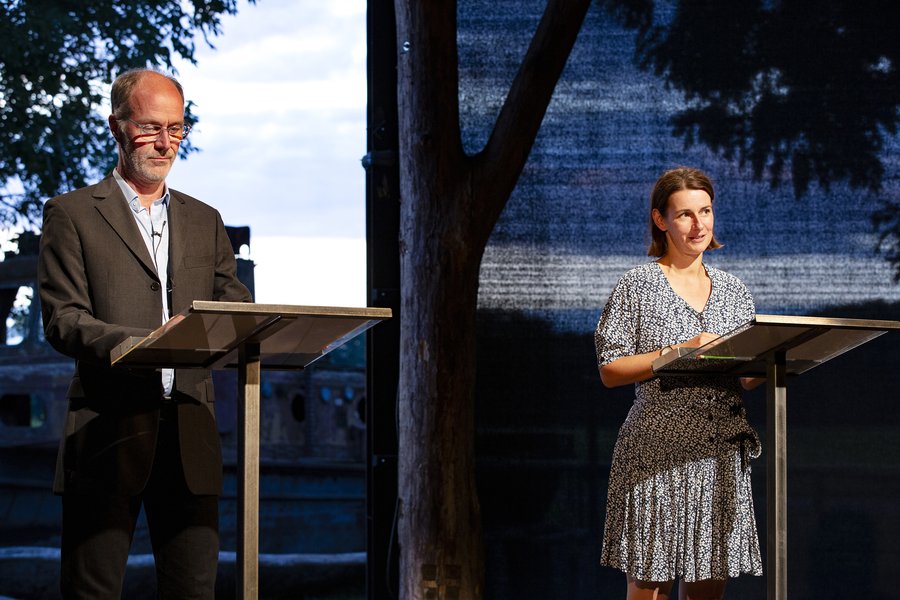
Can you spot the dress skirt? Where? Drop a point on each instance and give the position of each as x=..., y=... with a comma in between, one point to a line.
x=692, y=522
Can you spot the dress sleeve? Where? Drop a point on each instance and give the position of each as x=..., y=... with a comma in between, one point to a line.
x=616, y=334
x=746, y=308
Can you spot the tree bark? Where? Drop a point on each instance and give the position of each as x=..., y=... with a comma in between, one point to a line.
x=449, y=205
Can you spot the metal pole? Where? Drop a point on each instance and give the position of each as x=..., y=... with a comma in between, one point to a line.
x=247, y=563
x=776, y=478
x=383, y=343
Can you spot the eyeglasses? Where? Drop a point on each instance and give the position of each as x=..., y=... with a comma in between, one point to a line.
x=177, y=132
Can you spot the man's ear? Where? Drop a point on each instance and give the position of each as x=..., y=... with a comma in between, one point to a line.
x=114, y=127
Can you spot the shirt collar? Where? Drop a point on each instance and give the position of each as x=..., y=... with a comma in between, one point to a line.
x=131, y=197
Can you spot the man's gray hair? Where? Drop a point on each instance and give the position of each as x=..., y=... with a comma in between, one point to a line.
x=124, y=85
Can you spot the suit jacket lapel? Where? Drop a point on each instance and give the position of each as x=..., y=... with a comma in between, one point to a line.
x=110, y=203
x=185, y=221
x=179, y=230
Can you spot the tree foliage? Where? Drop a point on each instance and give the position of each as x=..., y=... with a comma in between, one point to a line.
x=802, y=91
x=58, y=60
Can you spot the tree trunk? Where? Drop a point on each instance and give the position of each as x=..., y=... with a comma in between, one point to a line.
x=449, y=204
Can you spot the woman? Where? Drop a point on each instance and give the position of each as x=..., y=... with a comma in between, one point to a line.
x=679, y=506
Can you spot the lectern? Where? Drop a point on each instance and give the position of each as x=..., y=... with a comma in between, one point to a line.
x=774, y=346
x=249, y=337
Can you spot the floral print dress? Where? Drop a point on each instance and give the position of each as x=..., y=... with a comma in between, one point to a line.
x=679, y=503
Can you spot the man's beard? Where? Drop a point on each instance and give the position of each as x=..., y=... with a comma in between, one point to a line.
x=138, y=166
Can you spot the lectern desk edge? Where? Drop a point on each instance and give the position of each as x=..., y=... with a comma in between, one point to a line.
x=145, y=351
x=247, y=336
x=803, y=330
x=772, y=359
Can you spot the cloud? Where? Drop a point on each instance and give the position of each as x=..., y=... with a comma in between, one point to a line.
x=281, y=103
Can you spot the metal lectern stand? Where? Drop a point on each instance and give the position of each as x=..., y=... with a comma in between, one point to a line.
x=773, y=347
x=248, y=337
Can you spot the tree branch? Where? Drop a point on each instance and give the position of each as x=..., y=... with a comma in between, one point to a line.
x=498, y=166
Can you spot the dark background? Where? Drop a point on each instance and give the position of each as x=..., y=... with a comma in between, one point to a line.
x=575, y=223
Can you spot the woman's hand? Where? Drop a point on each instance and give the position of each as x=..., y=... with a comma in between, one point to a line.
x=639, y=367
x=701, y=339
x=748, y=383
x=628, y=369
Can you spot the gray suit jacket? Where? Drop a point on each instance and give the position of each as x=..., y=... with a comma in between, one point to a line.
x=98, y=286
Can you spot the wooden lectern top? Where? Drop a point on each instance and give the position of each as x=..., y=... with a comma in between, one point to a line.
x=208, y=335
x=806, y=341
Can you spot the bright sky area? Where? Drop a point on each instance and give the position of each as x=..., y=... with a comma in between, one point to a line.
x=281, y=103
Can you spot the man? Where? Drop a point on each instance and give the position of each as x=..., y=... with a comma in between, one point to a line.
x=118, y=259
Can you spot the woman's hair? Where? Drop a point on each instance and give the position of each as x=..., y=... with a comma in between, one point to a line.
x=674, y=180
